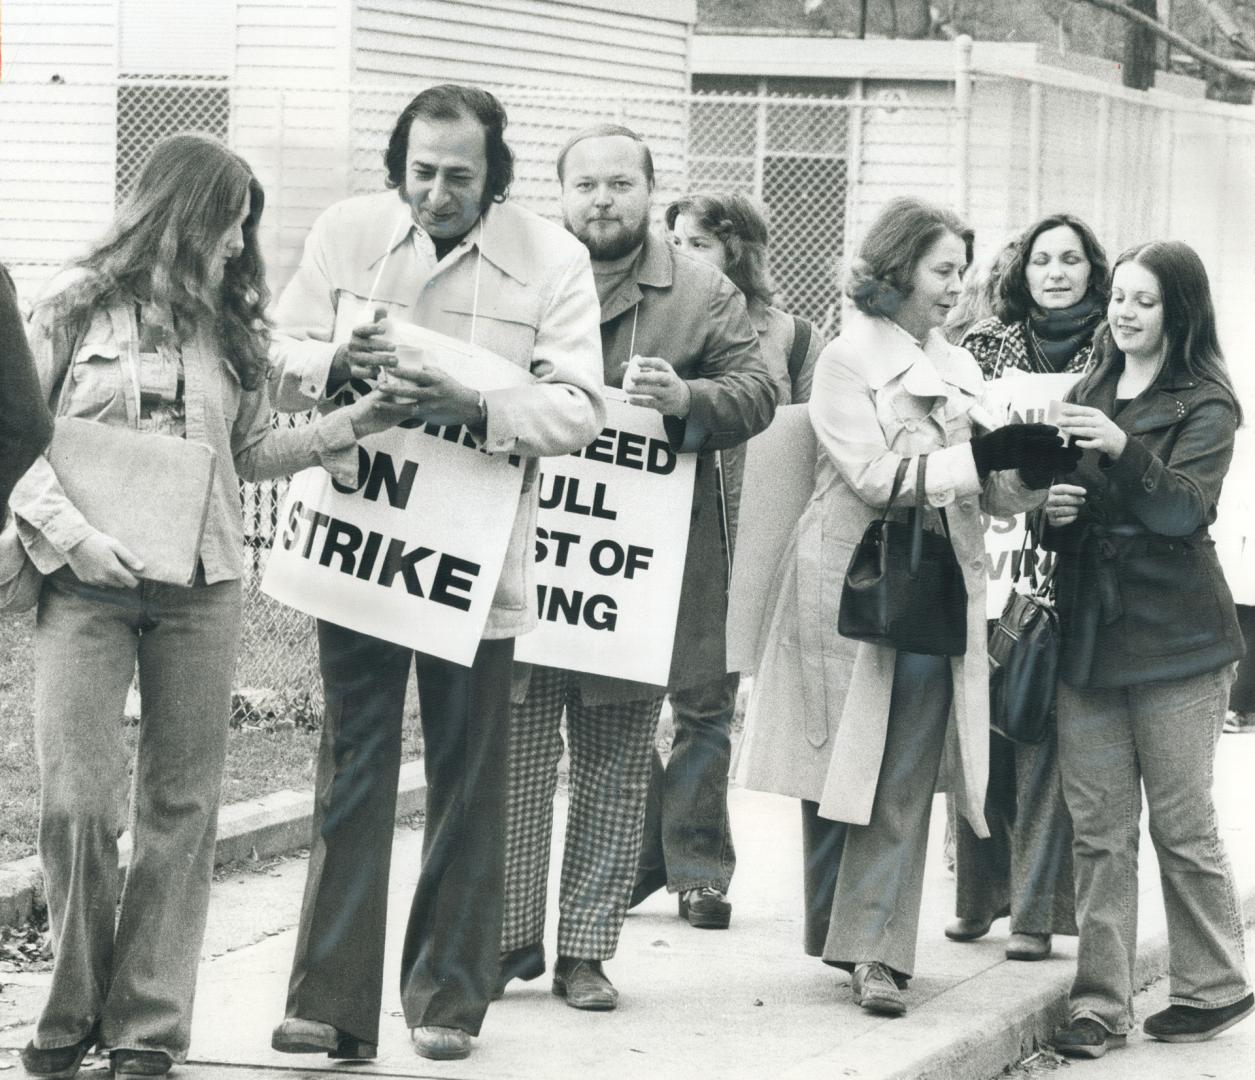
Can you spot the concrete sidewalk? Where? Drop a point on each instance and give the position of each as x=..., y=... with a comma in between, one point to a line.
x=740, y=1003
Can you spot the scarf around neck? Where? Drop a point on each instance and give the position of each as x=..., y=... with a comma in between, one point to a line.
x=1058, y=334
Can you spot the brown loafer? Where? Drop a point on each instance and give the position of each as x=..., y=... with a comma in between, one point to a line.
x=875, y=989
x=584, y=984
x=1028, y=946
x=441, y=1043
x=968, y=929
x=293, y=1035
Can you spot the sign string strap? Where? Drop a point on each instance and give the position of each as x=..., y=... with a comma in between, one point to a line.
x=636, y=310
x=479, y=263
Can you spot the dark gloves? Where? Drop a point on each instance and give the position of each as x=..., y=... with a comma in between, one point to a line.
x=1034, y=449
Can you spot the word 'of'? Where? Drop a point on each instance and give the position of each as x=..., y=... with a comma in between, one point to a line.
x=605, y=556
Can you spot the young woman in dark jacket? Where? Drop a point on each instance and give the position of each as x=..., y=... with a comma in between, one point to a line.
x=1149, y=640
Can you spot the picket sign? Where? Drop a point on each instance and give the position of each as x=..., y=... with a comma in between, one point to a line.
x=413, y=550
x=1015, y=397
x=611, y=540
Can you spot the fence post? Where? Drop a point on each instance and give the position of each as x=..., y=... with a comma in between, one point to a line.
x=1034, y=150
x=760, y=140
x=1102, y=148
x=962, y=120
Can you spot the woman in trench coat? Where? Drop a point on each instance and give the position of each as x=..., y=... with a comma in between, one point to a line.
x=857, y=730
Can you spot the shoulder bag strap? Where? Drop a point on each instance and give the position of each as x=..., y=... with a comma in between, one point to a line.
x=899, y=476
x=801, y=346
x=917, y=516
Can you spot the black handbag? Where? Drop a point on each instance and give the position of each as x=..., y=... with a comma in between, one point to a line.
x=1024, y=657
x=904, y=587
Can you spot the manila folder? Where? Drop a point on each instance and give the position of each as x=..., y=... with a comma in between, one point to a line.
x=149, y=491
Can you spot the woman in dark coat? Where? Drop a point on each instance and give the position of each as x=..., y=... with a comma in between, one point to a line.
x=1149, y=638
x=1050, y=296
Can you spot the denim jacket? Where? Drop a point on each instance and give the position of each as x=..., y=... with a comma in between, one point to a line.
x=82, y=373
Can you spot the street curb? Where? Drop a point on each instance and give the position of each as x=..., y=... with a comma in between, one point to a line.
x=275, y=824
x=1001, y=1023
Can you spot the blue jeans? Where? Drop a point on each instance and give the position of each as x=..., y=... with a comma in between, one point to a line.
x=136, y=981
x=1159, y=736
x=687, y=832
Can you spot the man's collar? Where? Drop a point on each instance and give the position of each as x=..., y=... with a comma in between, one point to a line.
x=500, y=244
x=654, y=267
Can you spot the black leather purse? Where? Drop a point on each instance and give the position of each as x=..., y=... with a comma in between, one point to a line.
x=904, y=586
x=1024, y=657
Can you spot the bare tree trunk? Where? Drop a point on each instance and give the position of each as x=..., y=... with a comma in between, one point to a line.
x=1139, y=49
x=912, y=18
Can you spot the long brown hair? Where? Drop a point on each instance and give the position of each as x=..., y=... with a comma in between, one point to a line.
x=160, y=244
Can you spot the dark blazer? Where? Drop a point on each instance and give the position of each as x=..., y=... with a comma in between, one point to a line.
x=1141, y=596
x=25, y=424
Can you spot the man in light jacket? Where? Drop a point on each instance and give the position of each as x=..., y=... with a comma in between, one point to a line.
x=698, y=364
x=452, y=255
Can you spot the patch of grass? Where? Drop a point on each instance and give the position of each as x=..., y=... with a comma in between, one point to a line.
x=259, y=761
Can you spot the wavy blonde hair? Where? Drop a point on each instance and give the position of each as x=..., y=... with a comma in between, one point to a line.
x=161, y=243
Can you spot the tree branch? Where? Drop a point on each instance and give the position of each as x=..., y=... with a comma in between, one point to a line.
x=1228, y=26
x=1172, y=37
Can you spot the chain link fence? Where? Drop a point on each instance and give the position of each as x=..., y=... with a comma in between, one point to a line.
x=821, y=166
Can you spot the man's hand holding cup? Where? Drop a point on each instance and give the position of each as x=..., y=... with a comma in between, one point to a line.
x=652, y=383
x=369, y=350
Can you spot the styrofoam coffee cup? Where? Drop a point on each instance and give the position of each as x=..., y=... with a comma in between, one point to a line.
x=631, y=374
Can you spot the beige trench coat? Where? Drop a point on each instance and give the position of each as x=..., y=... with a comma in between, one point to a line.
x=820, y=706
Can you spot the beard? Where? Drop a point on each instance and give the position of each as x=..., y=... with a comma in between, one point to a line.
x=606, y=246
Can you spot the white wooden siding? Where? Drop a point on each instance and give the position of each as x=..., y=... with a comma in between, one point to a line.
x=56, y=138
x=520, y=42
x=287, y=42
x=296, y=140
x=176, y=37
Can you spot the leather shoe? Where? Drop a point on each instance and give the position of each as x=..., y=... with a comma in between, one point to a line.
x=584, y=984
x=526, y=962
x=139, y=1063
x=876, y=990
x=968, y=929
x=1028, y=946
x=296, y=1036
x=705, y=908
x=58, y=1062
x=441, y=1043
x=1187, y=1023
x=1085, y=1038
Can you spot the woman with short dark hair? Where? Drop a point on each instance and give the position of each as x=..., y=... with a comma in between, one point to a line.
x=1149, y=637
x=856, y=730
x=159, y=329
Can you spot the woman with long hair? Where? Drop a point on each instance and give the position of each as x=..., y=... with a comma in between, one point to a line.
x=1149, y=638
x=856, y=729
x=159, y=328
x=1049, y=299
x=687, y=843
